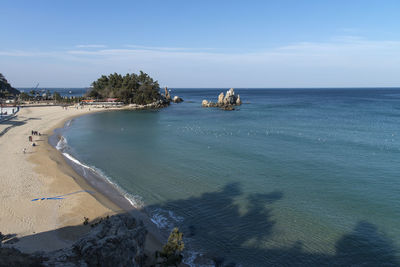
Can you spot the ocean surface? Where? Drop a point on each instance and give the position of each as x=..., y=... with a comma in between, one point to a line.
x=293, y=177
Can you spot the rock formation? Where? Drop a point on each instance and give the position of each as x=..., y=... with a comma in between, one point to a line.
x=205, y=103
x=238, y=101
x=221, y=98
x=114, y=241
x=208, y=104
x=177, y=99
x=167, y=97
x=166, y=93
x=161, y=103
x=226, y=102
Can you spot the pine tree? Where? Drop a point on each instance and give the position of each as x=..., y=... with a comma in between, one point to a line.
x=172, y=250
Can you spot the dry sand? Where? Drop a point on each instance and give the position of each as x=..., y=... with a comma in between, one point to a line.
x=42, y=172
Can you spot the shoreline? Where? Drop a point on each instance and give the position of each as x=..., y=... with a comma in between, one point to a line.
x=108, y=193
x=56, y=176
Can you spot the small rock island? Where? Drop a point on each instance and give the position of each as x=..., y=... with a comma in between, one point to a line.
x=225, y=102
x=167, y=96
x=132, y=91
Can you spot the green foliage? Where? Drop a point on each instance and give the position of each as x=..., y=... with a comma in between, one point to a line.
x=57, y=97
x=24, y=96
x=172, y=250
x=131, y=88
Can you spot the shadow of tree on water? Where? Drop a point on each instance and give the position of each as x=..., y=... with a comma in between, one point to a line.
x=230, y=236
x=214, y=222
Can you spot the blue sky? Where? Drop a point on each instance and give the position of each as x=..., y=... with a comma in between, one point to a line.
x=202, y=43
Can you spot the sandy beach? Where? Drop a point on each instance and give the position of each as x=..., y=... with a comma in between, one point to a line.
x=42, y=172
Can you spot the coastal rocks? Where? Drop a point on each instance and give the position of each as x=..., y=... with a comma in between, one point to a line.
x=221, y=98
x=161, y=103
x=205, y=103
x=13, y=257
x=208, y=104
x=115, y=241
x=166, y=94
x=238, y=101
x=230, y=98
x=177, y=99
x=225, y=102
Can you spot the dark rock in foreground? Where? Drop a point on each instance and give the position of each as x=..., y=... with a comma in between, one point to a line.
x=13, y=257
x=116, y=241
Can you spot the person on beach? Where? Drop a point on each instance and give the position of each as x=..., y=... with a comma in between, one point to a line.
x=30, y=138
x=24, y=150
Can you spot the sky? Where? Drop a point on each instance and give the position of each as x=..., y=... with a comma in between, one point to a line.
x=188, y=43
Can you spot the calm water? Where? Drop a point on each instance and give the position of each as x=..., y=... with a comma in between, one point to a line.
x=294, y=177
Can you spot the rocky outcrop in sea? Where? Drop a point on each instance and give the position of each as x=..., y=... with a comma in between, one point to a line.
x=225, y=102
x=167, y=96
x=177, y=99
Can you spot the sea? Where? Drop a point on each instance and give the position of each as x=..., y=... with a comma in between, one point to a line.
x=293, y=177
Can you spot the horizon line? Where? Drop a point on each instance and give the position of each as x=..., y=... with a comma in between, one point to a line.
x=161, y=87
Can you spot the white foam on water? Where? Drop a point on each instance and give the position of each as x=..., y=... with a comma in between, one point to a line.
x=135, y=200
x=190, y=257
x=175, y=217
x=160, y=221
x=62, y=143
x=164, y=219
x=74, y=160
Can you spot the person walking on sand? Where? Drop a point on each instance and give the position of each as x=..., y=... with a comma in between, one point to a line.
x=24, y=150
x=30, y=138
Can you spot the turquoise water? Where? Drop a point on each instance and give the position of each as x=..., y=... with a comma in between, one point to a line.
x=293, y=177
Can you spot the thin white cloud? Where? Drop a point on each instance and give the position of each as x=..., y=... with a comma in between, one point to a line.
x=341, y=61
x=165, y=48
x=90, y=46
x=142, y=47
x=339, y=44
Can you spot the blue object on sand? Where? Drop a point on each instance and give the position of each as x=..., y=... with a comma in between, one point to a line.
x=45, y=198
x=61, y=196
